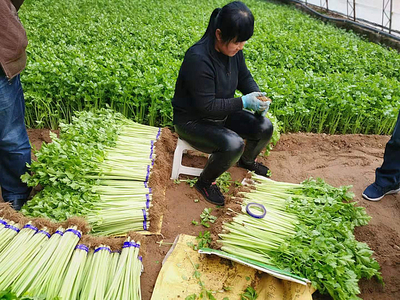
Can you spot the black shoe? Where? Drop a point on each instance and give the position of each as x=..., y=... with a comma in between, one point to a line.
x=210, y=192
x=255, y=167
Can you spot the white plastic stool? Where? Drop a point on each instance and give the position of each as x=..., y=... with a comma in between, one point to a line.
x=177, y=168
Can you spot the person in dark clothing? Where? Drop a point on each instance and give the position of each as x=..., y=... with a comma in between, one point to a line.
x=387, y=177
x=206, y=113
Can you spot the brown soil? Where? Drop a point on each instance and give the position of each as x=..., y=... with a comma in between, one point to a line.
x=338, y=159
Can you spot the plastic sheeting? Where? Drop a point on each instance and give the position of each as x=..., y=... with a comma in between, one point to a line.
x=224, y=278
x=369, y=10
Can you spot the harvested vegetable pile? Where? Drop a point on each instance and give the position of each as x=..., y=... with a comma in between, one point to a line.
x=58, y=261
x=307, y=230
x=98, y=168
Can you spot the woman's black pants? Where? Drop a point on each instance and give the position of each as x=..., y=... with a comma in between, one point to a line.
x=224, y=140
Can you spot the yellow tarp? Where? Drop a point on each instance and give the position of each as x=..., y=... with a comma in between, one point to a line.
x=176, y=279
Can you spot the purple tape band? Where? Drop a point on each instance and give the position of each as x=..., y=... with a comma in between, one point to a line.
x=130, y=244
x=102, y=248
x=147, y=187
x=45, y=233
x=147, y=201
x=140, y=258
x=148, y=173
x=76, y=232
x=12, y=227
x=59, y=232
x=151, y=149
x=3, y=222
x=158, y=133
x=31, y=227
x=82, y=247
x=152, y=162
x=257, y=216
x=145, y=219
x=144, y=214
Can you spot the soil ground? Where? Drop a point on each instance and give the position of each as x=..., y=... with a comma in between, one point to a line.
x=338, y=159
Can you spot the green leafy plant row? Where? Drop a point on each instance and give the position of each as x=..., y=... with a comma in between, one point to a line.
x=86, y=54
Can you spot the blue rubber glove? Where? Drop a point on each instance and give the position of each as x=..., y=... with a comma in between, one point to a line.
x=250, y=101
x=264, y=112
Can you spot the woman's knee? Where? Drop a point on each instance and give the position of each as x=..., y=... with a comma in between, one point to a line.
x=233, y=144
x=265, y=129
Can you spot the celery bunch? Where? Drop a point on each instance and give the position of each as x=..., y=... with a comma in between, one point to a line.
x=20, y=252
x=60, y=266
x=308, y=230
x=126, y=282
x=98, y=168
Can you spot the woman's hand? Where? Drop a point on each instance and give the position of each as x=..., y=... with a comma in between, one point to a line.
x=264, y=112
x=250, y=101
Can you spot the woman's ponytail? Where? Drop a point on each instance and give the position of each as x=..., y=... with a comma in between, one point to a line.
x=211, y=24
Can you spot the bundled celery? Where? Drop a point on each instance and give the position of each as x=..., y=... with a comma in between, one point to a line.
x=14, y=262
x=124, y=210
x=55, y=267
x=257, y=235
x=126, y=283
x=7, y=233
x=112, y=267
x=118, y=221
x=99, y=168
x=308, y=230
x=47, y=281
x=20, y=239
x=74, y=273
x=95, y=286
x=86, y=270
x=38, y=264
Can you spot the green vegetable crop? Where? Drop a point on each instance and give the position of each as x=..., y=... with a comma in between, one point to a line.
x=98, y=168
x=127, y=54
x=307, y=231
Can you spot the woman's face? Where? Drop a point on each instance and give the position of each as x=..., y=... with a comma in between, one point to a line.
x=229, y=49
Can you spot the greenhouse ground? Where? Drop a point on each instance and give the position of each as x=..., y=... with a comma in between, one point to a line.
x=338, y=159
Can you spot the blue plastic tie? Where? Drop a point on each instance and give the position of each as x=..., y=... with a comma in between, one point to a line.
x=12, y=227
x=31, y=227
x=76, y=232
x=147, y=201
x=45, y=233
x=148, y=173
x=102, y=248
x=262, y=215
x=82, y=247
x=130, y=244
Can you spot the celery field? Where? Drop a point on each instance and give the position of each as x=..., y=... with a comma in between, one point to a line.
x=126, y=54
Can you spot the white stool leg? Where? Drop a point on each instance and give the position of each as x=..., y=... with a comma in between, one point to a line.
x=177, y=168
x=177, y=162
